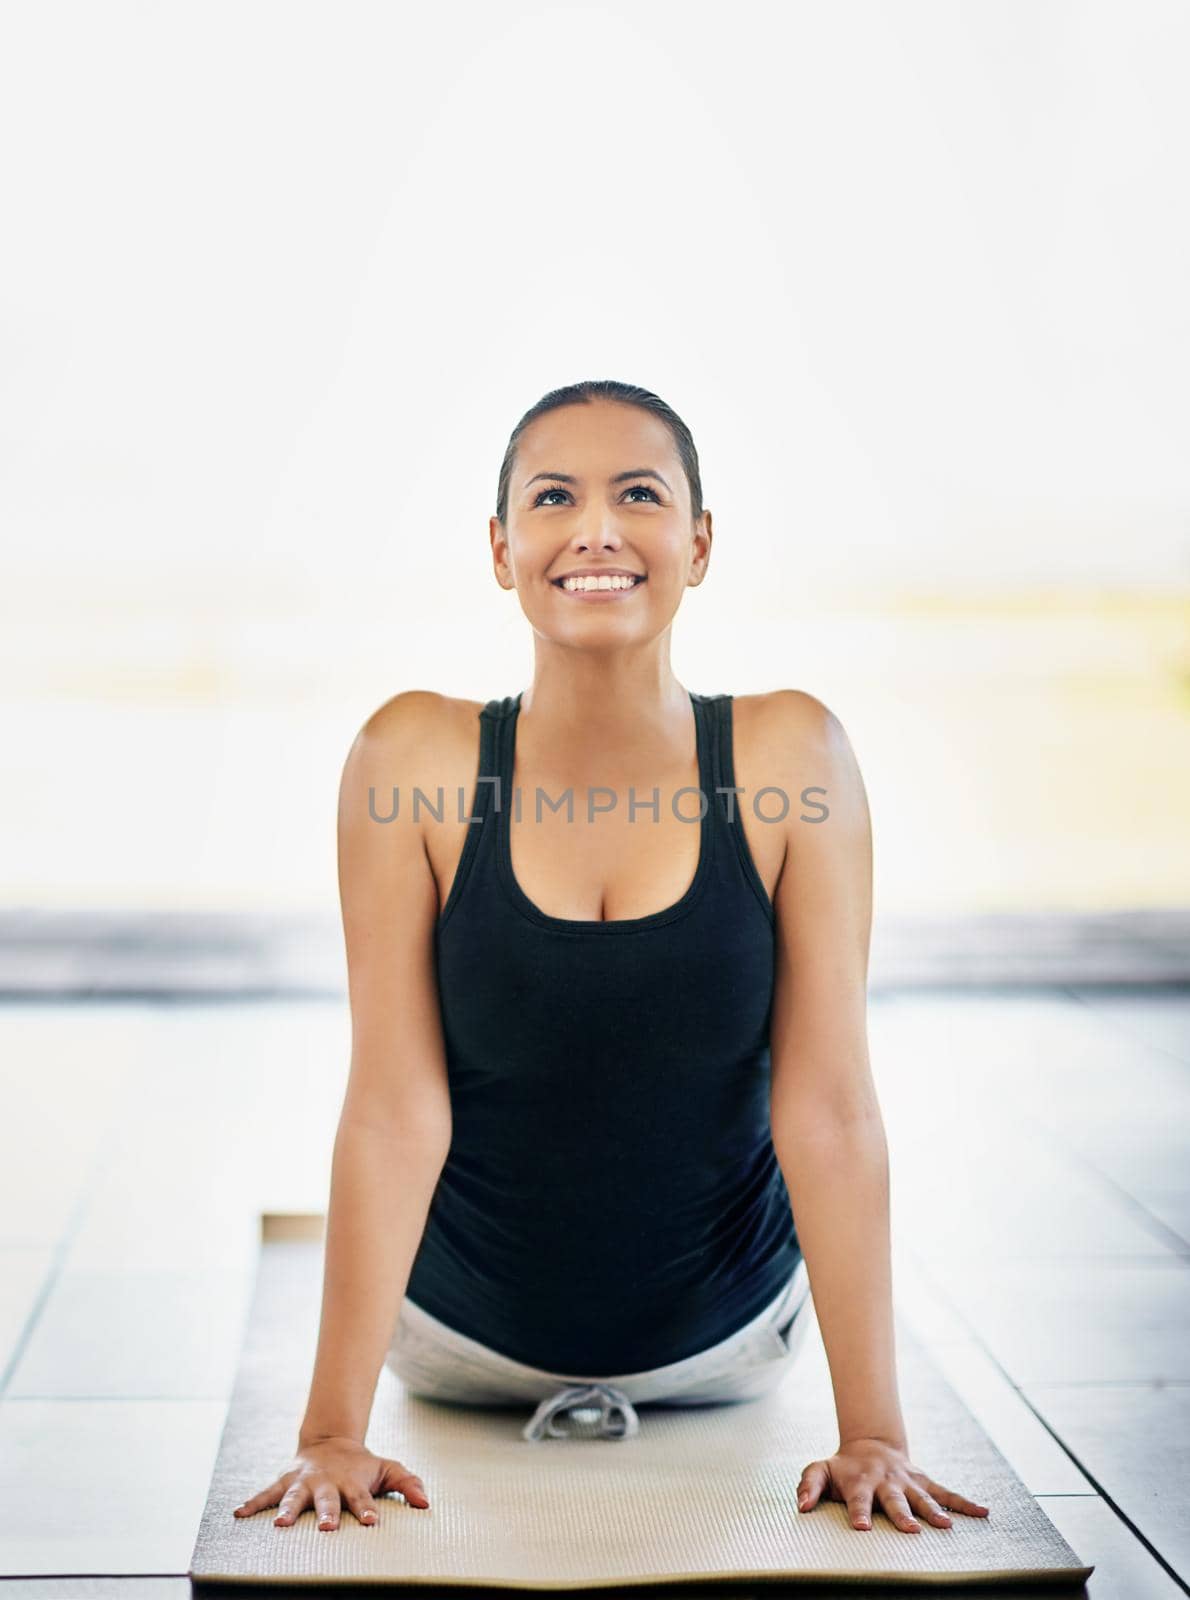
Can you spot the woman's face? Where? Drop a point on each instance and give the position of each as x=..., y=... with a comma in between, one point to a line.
x=599, y=488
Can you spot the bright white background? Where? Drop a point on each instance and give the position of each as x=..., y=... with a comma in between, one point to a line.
x=278, y=281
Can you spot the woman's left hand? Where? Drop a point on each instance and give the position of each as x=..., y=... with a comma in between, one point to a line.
x=865, y=1468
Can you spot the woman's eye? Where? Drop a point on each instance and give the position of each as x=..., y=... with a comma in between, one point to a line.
x=635, y=488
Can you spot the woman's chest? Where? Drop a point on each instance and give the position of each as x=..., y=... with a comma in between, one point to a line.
x=528, y=1000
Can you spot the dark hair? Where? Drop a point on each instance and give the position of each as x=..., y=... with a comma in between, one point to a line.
x=606, y=389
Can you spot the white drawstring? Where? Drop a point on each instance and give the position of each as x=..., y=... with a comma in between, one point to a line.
x=605, y=1395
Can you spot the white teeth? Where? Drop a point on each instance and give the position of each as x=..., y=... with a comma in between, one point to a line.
x=602, y=582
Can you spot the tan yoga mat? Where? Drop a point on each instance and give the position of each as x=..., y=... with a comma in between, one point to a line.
x=699, y=1495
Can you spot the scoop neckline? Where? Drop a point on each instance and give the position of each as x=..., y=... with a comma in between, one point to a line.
x=652, y=919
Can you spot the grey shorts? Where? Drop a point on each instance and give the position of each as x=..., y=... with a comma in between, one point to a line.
x=435, y=1362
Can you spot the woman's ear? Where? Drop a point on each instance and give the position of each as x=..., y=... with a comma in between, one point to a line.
x=701, y=538
x=499, y=545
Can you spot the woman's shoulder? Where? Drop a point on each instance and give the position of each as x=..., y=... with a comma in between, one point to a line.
x=792, y=740
x=415, y=714
x=421, y=734
x=787, y=719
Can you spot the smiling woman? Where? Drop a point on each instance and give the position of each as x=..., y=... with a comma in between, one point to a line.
x=600, y=1065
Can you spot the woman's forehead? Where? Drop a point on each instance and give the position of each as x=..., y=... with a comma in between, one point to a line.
x=593, y=439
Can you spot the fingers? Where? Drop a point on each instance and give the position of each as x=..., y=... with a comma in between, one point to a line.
x=363, y=1507
x=813, y=1481
x=293, y=1502
x=295, y=1494
x=925, y=1505
x=956, y=1502
x=397, y=1479
x=326, y=1504
x=899, y=1501
x=258, y=1502
x=859, y=1507
x=897, y=1508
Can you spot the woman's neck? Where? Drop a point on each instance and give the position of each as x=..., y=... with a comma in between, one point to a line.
x=577, y=707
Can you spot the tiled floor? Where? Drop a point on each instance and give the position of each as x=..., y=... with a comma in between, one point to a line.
x=1041, y=1193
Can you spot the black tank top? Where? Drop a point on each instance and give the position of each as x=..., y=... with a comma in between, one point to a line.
x=611, y=1200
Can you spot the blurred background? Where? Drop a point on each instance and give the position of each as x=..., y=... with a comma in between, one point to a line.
x=278, y=282
x=281, y=281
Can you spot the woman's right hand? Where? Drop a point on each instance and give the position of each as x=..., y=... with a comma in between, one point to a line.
x=330, y=1470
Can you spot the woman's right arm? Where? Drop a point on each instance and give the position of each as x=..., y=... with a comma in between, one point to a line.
x=394, y=1128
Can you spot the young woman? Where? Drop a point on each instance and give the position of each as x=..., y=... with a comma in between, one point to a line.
x=602, y=1057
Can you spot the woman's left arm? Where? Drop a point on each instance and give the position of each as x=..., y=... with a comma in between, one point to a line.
x=827, y=1130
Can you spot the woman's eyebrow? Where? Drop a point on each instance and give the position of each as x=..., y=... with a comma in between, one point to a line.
x=620, y=477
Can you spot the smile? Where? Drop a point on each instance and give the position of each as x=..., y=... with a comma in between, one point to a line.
x=602, y=586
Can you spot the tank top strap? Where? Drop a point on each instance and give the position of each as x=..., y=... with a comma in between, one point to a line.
x=730, y=801
x=714, y=749
x=496, y=748
x=724, y=754
x=486, y=799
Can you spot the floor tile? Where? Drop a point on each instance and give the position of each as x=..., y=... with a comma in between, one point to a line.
x=257, y=1089
x=932, y=1318
x=1143, y=1152
x=135, y=1335
x=1135, y=1442
x=64, y=1074
x=960, y=1072
x=110, y=1487
x=166, y=1208
x=1004, y=1191
x=1076, y=1321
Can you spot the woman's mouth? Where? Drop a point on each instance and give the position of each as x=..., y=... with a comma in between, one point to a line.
x=599, y=587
